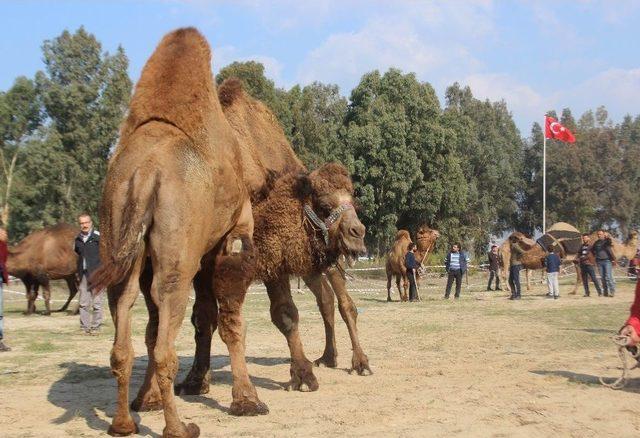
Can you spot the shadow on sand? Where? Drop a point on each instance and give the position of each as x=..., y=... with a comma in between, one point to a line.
x=89, y=391
x=633, y=385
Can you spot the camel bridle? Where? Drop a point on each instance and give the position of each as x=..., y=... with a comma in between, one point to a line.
x=333, y=217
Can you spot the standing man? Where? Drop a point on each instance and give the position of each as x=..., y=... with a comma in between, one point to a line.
x=456, y=265
x=87, y=246
x=494, y=267
x=552, y=263
x=515, y=265
x=605, y=258
x=4, y=279
x=412, y=266
x=587, y=263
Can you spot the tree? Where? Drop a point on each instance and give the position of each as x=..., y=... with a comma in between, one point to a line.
x=20, y=115
x=85, y=94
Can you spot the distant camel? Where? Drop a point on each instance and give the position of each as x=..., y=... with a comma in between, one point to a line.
x=426, y=240
x=42, y=256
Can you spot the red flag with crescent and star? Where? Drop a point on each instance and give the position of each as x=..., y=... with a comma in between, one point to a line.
x=555, y=131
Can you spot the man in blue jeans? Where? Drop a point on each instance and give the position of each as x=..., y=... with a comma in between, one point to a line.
x=456, y=265
x=605, y=259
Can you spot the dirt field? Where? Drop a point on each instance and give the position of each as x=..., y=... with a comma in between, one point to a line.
x=479, y=366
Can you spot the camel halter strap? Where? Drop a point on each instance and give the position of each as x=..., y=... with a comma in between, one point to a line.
x=330, y=220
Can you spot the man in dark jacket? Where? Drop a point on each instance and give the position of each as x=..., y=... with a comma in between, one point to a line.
x=456, y=265
x=515, y=265
x=587, y=263
x=412, y=266
x=495, y=262
x=605, y=258
x=87, y=246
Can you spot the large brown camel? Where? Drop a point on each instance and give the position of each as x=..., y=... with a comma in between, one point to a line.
x=286, y=244
x=174, y=205
x=425, y=242
x=42, y=256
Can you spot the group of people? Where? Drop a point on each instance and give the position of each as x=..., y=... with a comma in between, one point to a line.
x=86, y=245
x=456, y=263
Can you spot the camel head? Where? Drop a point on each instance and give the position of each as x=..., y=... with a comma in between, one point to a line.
x=329, y=192
x=426, y=238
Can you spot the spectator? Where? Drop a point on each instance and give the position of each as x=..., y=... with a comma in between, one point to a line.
x=456, y=265
x=587, y=263
x=87, y=246
x=4, y=279
x=495, y=263
x=412, y=266
x=605, y=259
x=552, y=263
x=515, y=265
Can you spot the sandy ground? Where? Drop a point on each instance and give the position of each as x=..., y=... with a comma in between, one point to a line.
x=479, y=366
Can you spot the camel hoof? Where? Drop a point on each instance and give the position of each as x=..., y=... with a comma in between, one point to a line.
x=146, y=405
x=389, y=299
x=125, y=428
x=361, y=366
x=247, y=407
x=302, y=379
x=327, y=361
x=187, y=431
x=45, y=313
x=190, y=387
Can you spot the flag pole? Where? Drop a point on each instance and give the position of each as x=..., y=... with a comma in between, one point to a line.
x=544, y=176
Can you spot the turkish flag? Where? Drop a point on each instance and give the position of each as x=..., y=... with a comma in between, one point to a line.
x=554, y=130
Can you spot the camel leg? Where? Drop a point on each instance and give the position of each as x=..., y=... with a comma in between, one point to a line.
x=528, y=274
x=400, y=295
x=349, y=313
x=73, y=290
x=149, y=397
x=205, y=321
x=32, y=294
x=324, y=297
x=284, y=315
x=46, y=294
x=170, y=292
x=389, y=275
x=121, y=300
x=405, y=286
x=578, y=279
x=232, y=278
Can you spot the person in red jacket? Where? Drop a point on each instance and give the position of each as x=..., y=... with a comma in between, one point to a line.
x=632, y=326
x=4, y=279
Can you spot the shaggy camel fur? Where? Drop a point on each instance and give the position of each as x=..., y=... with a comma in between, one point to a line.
x=42, y=256
x=283, y=244
x=426, y=240
x=174, y=205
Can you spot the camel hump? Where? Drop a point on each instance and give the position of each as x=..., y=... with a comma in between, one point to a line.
x=229, y=91
x=563, y=226
x=176, y=85
x=403, y=234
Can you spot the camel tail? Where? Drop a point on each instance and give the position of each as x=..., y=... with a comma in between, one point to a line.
x=125, y=241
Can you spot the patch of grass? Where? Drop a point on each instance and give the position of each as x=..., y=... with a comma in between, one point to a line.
x=42, y=347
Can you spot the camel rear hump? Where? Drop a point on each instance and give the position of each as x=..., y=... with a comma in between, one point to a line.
x=176, y=87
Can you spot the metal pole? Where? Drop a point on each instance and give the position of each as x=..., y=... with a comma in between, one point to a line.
x=544, y=176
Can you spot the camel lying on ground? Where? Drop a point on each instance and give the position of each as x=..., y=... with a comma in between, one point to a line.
x=174, y=207
x=42, y=256
x=285, y=198
x=425, y=242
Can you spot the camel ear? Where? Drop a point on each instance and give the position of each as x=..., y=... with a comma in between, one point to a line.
x=303, y=186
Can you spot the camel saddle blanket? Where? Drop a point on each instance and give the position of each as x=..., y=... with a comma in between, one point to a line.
x=563, y=234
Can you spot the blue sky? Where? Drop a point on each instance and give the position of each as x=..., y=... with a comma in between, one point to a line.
x=537, y=55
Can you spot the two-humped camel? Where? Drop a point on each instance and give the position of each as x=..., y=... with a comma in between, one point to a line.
x=394, y=267
x=174, y=205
